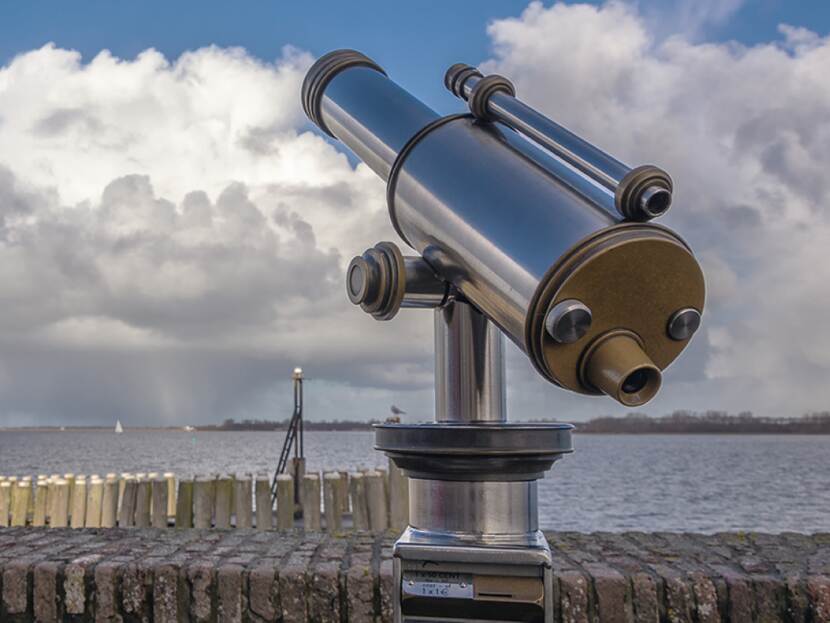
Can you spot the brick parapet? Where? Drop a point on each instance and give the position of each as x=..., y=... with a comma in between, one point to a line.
x=249, y=576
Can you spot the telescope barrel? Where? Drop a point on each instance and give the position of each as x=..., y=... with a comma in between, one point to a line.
x=638, y=194
x=508, y=225
x=375, y=128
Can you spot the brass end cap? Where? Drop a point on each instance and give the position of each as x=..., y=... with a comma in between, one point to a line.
x=616, y=364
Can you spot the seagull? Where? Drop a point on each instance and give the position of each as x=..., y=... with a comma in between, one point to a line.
x=397, y=411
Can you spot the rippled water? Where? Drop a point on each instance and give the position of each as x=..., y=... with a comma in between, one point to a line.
x=612, y=482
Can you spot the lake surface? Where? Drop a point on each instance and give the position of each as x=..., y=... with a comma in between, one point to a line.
x=612, y=482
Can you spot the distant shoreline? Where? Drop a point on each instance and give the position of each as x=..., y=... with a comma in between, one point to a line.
x=677, y=423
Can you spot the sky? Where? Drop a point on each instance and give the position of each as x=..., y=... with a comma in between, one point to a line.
x=174, y=232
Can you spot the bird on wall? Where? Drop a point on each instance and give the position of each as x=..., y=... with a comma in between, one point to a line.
x=396, y=411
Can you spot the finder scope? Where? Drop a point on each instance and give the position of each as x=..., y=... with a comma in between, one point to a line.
x=549, y=237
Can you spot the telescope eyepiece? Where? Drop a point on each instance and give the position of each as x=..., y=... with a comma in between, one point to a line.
x=617, y=365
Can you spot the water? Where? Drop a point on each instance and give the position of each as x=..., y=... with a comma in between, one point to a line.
x=702, y=483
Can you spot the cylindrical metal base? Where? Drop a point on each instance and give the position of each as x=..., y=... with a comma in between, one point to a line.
x=474, y=508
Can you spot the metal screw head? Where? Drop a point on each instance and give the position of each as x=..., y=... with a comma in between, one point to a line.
x=568, y=321
x=683, y=323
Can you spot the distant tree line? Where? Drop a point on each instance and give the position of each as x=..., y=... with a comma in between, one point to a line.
x=689, y=422
x=678, y=422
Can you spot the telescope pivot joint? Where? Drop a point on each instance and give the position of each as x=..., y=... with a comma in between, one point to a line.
x=382, y=281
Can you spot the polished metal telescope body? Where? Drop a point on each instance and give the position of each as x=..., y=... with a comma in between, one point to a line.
x=516, y=230
x=521, y=229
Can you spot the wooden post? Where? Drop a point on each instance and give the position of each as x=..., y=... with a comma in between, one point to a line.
x=78, y=496
x=122, y=483
x=203, y=502
x=398, y=498
x=343, y=492
x=20, y=506
x=285, y=502
x=50, y=495
x=94, y=503
x=109, y=503
x=311, y=502
x=41, y=499
x=31, y=508
x=170, y=477
x=126, y=512
x=142, y=504
x=159, y=506
x=60, y=505
x=151, y=478
x=243, y=501
x=299, y=474
x=264, y=508
x=357, y=492
x=224, y=487
x=331, y=501
x=184, y=504
x=70, y=483
x=5, y=502
x=12, y=480
x=232, y=498
x=376, y=501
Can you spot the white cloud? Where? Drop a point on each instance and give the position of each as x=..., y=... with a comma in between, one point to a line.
x=173, y=236
x=172, y=241
x=746, y=136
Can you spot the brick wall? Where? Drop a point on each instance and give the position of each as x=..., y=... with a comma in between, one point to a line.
x=169, y=575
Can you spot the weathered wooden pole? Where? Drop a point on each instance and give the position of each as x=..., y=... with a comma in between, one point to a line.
x=357, y=493
x=170, y=477
x=285, y=502
x=122, y=484
x=343, y=491
x=126, y=512
x=243, y=501
x=41, y=499
x=184, y=504
x=311, y=502
x=20, y=505
x=109, y=503
x=78, y=496
x=70, y=483
x=224, y=488
x=398, y=498
x=376, y=501
x=159, y=512
x=264, y=507
x=331, y=501
x=5, y=502
x=94, y=503
x=203, y=502
x=59, y=513
x=142, y=503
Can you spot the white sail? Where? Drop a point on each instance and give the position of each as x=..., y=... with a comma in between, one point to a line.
x=118, y=427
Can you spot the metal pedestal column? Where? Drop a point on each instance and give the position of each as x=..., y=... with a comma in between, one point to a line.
x=473, y=550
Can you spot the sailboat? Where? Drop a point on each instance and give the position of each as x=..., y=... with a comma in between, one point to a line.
x=118, y=427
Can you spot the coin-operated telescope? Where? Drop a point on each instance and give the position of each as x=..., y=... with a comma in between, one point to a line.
x=523, y=229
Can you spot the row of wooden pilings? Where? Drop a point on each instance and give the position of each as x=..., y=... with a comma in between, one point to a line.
x=333, y=501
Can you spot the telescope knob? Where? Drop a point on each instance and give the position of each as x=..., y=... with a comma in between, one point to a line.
x=382, y=281
x=568, y=321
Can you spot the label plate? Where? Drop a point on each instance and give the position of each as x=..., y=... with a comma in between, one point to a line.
x=438, y=584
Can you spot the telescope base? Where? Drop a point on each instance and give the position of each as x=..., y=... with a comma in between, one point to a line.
x=450, y=578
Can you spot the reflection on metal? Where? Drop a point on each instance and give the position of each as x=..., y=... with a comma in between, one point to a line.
x=539, y=240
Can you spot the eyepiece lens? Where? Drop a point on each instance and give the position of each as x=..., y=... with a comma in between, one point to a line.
x=636, y=381
x=657, y=201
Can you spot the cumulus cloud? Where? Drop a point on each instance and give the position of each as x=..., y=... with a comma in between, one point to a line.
x=745, y=133
x=172, y=243
x=173, y=234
